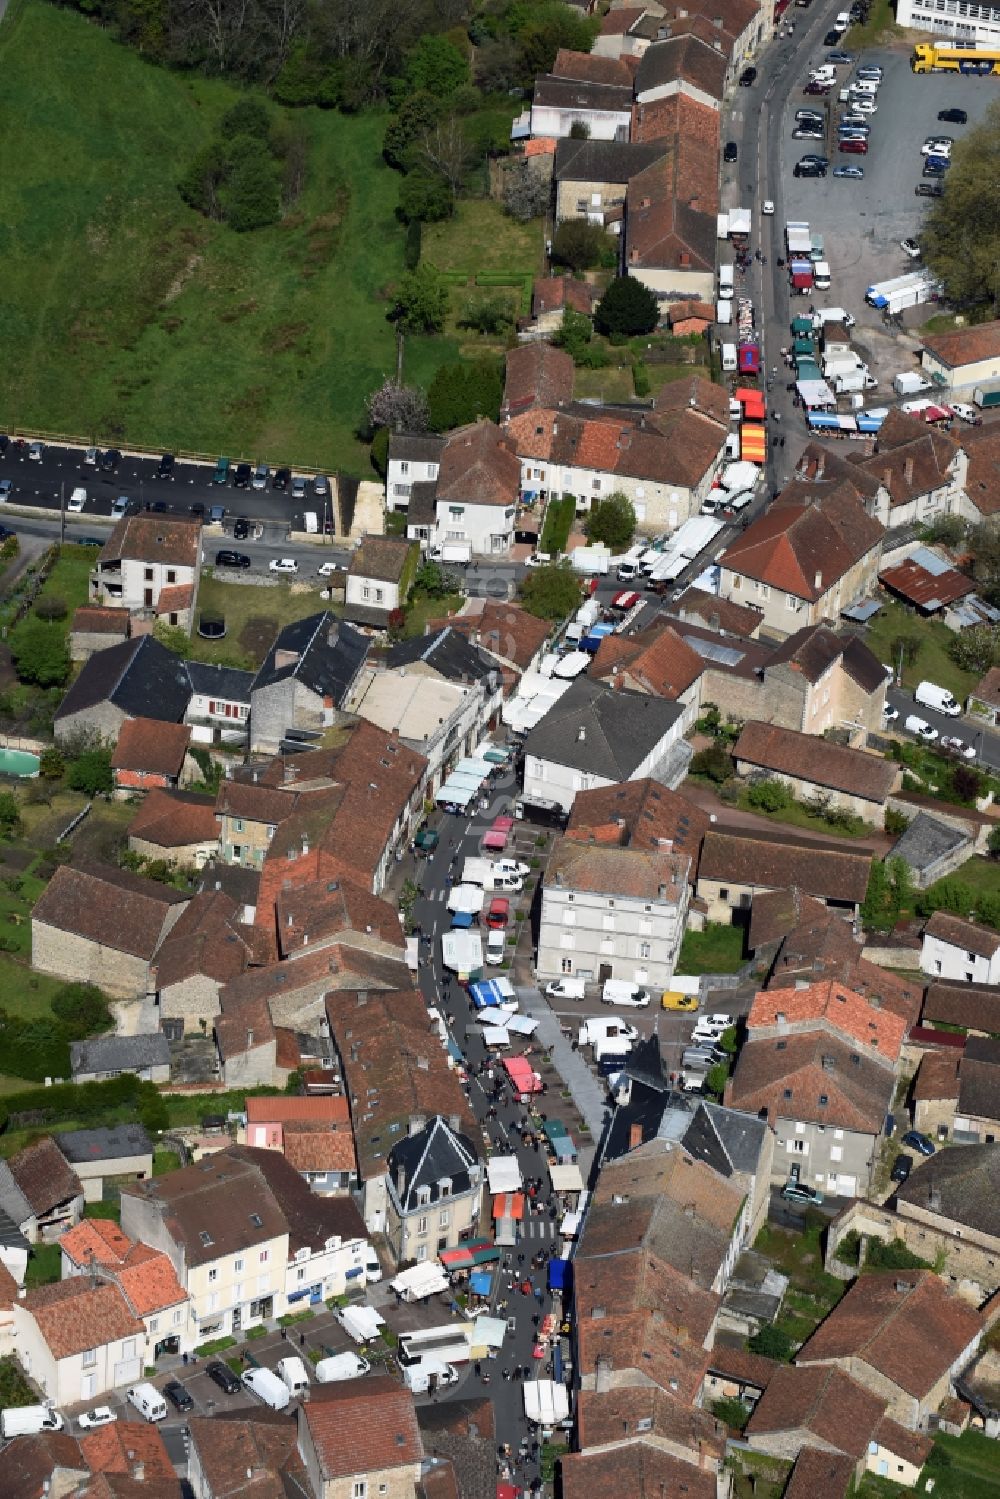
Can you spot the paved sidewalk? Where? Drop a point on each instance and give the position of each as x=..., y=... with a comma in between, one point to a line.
x=588, y=1094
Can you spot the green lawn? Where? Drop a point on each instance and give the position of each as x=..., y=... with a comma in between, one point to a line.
x=718, y=949
x=15, y=911
x=69, y=579
x=812, y=1293
x=44, y=1265
x=421, y=608
x=25, y=993
x=979, y=874
x=253, y=617
x=932, y=660
x=481, y=237
x=880, y=27
x=137, y=320
x=799, y=816
x=604, y=385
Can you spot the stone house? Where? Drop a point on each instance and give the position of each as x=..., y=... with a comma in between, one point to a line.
x=536, y=374
x=139, y=678
x=101, y=1057
x=248, y=816
x=817, y=770
x=95, y=629
x=179, y=827
x=550, y=298
x=957, y=1094
x=149, y=756
x=253, y=1051
x=151, y=565
x=220, y=1452
x=107, y=1155
x=903, y=1335
x=591, y=176
x=475, y=496
x=360, y=1440
x=434, y=1190
x=379, y=579
x=78, y=1340
x=931, y=849
x=972, y=1008
x=736, y=865
x=209, y=946
x=40, y=1191
x=413, y=459
x=505, y=633
x=921, y=472
x=303, y=680
x=654, y=660
x=957, y=949
x=101, y=924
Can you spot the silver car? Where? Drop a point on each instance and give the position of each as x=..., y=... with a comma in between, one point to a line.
x=261, y=474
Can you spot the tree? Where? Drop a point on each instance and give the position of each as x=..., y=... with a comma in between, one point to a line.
x=415, y=115
x=771, y=1342
x=960, y=238
x=461, y=391
x=91, y=773
x=993, y=843
x=431, y=580
x=425, y=199
x=905, y=646
x=10, y=815
x=400, y=408
x=580, y=245
x=248, y=117
x=551, y=592
x=966, y=783
x=526, y=193
x=491, y=316
x=51, y=607
x=251, y=197
x=976, y=649
x=984, y=545
x=39, y=653
x=51, y=765
x=612, y=521
x=948, y=529
x=498, y=65
x=82, y=1008
x=715, y=762
x=627, y=308
x=173, y=637
x=379, y=455
x=444, y=150
x=200, y=184
x=435, y=66
x=421, y=301
x=579, y=131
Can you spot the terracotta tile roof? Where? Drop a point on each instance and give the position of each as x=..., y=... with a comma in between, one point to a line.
x=324, y=1112
x=117, y=1447
x=216, y=1207
x=937, y=1076
x=912, y=1446
x=478, y=468
x=973, y=1007
x=246, y=997
x=982, y=480
x=774, y=913
x=912, y=459
x=540, y=145
x=821, y=1475
x=253, y=802
x=965, y=345
x=692, y=393
x=150, y=1284
x=589, y=67
x=721, y=614
x=96, y=1239
x=670, y=211
x=820, y=762
x=813, y=1077
x=848, y=1013
x=228, y=1447
x=311, y=1150
x=904, y=1324
x=655, y=660
x=73, y=1315
x=312, y=1220
x=805, y=549
x=682, y=312
x=94, y=620
x=775, y=861
x=207, y=941
x=155, y=748
x=107, y=905
x=638, y=814
x=619, y=22
x=630, y=873
x=987, y=689
x=928, y=590
x=44, y=1175
x=637, y=1471
x=175, y=819
x=175, y=598
x=314, y=913
x=740, y=1364
x=9, y=1289
x=967, y=935
x=537, y=374
x=609, y=443
x=608, y=1419
x=684, y=59
x=504, y=630
x=819, y=1400
x=380, y=557
x=549, y=293
x=902, y=997
x=29, y=1463
x=366, y=1428
x=154, y=538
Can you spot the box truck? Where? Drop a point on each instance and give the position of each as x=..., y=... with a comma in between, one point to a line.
x=428, y=1374
x=727, y=279
x=821, y=275
x=986, y=396
x=590, y=560
x=909, y=383
x=455, y=552
x=729, y=358
x=293, y=1374
x=901, y=292
x=798, y=238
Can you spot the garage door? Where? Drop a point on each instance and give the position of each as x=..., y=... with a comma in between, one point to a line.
x=847, y=1186
x=128, y=1371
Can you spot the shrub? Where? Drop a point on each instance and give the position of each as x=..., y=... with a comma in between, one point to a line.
x=769, y=796
x=91, y=773
x=715, y=762
x=771, y=1342
x=411, y=252
x=580, y=245
x=82, y=1008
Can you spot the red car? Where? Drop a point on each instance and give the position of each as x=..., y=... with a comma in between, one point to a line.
x=854, y=148
x=817, y=88
x=498, y=914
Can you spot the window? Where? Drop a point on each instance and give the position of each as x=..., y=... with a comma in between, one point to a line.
x=423, y=1196
x=213, y=1274
x=300, y=1274
x=265, y=1255
x=237, y=1266
x=128, y=1348
x=836, y=1152
x=421, y=1252
x=723, y=893
x=89, y=1357
x=645, y=950
x=171, y=575
x=238, y=825
x=178, y=1317
x=422, y=1224
x=567, y=965
x=360, y=1490
x=148, y=575
x=383, y=1488
x=764, y=591
x=404, y=468
x=444, y=1218
x=154, y=1323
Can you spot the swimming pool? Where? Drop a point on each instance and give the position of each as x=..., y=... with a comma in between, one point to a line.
x=18, y=763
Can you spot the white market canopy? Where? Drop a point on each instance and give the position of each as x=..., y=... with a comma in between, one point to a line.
x=565, y=1177
x=503, y=1173
x=466, y=898
x=488, y=1332
x=462, y=952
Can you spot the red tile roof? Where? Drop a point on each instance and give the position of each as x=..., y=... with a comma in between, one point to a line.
x=175, y=598
x=175, y=819
x=325, y=1111
x=149, y=1283
x=537, y=374
x=982, y=481
x=777, y=861
x=848, y=1013
x=805, y=549
x=821, y=1475
x=967, y=935
x=590, y=67
x=818, y=762
x=43, y=1173
x=94, y=620
x=550, y=293
x=154, y=538
x=637, y=1471
x=638, y=814
x=815, y=1077
x=358, y=1428
x=657, y=660
x=479, y=467
x=821, y=1400
x=119, y=1446
x=96, y=1239
x=504, y=630
x=107, y=905
x=312, y=1150
x=965, y=345
x=145, y=744
x=631, y=873
x=74, y=1315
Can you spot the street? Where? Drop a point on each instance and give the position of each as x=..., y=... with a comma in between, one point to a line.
x=985, y=742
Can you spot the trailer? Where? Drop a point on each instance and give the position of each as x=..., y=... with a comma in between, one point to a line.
x=987, y=396
x=450, y=1342
x=420, y=1281
x=932, y=57
x=590, y=560
x=901, y=292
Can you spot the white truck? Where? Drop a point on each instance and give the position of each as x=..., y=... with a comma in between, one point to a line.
x=449, y=1342
x=590, y=560
x=362, y=1323
x=293, y=1374
x=341, y=1366
x=482, y=872
x=727, y=281
x=909, y=383
x=853, y=381
x=901, y=292
x=821, y=275
x=267, y=1387
x=798, y=238
x=456, y=552
x=597, y=1031
x=28, y=1421
x=428, y=1374
x=841, y=364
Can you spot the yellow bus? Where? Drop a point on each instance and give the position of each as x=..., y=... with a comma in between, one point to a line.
x=930, y=57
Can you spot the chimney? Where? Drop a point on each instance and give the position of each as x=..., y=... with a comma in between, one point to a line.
x=249, y=1039
x=934, y=1200
x=454, y=1122
x=887, y=478
x=604, y=1367
x=581, y=734
x=417, y=1122
x=820, y=465
x=781, y=1019
x=634, y=1136
x=908, y=470
x=818, y=580
x=283, y=658
x=139, y=1472
x=305, y=844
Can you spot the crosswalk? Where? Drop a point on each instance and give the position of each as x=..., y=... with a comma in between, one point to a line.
x=539, y=1228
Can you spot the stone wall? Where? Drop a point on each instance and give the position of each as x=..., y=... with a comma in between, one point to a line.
x=972, y=1270
x=66, y=956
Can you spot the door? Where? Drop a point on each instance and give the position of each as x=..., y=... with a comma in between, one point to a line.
x=604, y=972
x=88, y=1385
x=147, y=597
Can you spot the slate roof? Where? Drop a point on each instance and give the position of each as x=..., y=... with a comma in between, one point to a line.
x=311, y=1220
x=578, y=95
x=967, y=935
x=329, y=654
x=725, y=1139
x=44, y=1175
x=904, y=1324
x=805, y=549
x=979, y=1078
x=926, y=841
x=961, y=1185
x=816, y=761
x=604, y=161
x=220, y=681
x=154, y=538
x=446, y=651
x=120, y=1053
x=74, y=1315
x=13, y=1203
x=415, y=447
x=506, y=631
x=362, y=1426
x=971, y=1007
x=110, y=1143
x=107, y=905
x=965, y=345
x=596, y=729
x=152, y=748
x=779, y=860
x=814, y=1077
x=140, y=677
x=435, y=1153
x=638, y=814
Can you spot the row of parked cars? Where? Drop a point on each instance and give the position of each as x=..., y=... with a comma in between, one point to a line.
x=860, y=101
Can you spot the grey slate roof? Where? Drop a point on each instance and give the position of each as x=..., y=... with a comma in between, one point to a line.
x=596, y=729
x=416, y=447
x=447, y=651
x=329, y=655
x=422, y=509
x=927, y=840
x=220, y=681
x=11, y=1236
x=979, y=1078
x=104, y=1144
x=12, y=1200
x=603, y=161
x=434, y=1154
x=140, y=676
x=725, y=1139
x=120, y=1053
x=961, y=1184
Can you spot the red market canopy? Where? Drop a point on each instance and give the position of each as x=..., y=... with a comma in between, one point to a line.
x=753, y=403
x=509, y=1205
x=476, y=1252
x=522, y=1075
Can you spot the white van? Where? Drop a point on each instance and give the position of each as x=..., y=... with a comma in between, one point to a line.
x=729, y=362
x=293, y=1374
x=28, y=1421
x=930, y=695
x=311, y=522
x=920, y=728
x=373, y=1266
x=866, y=88
x=341, y=1366
x=727, y=280
x=148, y=1401
x=496, y=946
x=418, y=1377
x=623, y=992
x=267, y=1387
x=566, y=989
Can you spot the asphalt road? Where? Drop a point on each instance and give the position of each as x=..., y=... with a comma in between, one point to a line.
x=985, y=742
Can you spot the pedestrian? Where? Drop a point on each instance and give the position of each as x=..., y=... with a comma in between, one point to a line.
x=782, y=443
x=302, y=1340
x=284, y=1334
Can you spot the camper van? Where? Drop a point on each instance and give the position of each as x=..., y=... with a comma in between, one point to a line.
x=148, y=1401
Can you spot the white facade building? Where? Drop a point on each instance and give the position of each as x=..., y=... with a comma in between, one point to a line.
x=960, y=950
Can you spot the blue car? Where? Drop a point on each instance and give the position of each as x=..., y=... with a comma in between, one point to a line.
x=918, y=1142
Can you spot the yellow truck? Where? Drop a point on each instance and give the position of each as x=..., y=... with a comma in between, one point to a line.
x=930, y=57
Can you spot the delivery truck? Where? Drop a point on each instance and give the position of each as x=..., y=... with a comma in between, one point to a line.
x=362, y=1323
x=798, y=238
x=854, y=382
x=911, y=290
x=821, y=275
x=449, y=1342
x=727, y=280
x=341, y=1366
x=456, y=552
x=987, y=396
x=428, y=1374
x=590, y=560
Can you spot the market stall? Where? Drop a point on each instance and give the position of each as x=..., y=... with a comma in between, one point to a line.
x=523, y=1078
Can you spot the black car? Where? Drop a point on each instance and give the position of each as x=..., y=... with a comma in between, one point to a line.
x=748, y=77
x=282, y=478
x=111, y=460
x=901, y=1168
x=953, y=116
x=223, y=1376
x=178, y=1395
x=730, y=151
x=197, y=508
x=165, y=467
x=6, y=533
x=232, y=559
x=242, y=477
x=241, y=530
x=929, y=190
x=4, y=442
x=160, y=506
x=919, y=1142
x=831, y=39
x=809, y=169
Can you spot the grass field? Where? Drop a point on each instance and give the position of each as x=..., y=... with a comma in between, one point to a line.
x=481, y=237
x=253, y=617
x=932, y=661
x=718, y=949
x=137, y=320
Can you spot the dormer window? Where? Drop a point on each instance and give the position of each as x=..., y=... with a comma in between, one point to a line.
x=444, y=1187
x=423, y=1196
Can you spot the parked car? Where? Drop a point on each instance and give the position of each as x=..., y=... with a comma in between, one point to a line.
x=241, y=529
x=794, y=1191
x=808, y=169
x=809, y=114
x=911, y=248
x=110, y=460
x=242, y=476
x=929, y=190
x=321, y=485
x=35, y=451
x=748, y=77
x=967, y=413
x=498, y=912
x=889, y=713
x=855, y=173
x=178, y=1395
x=101, y=1415
x=326, y=569
x=958, y=746
x=165, y=467
x=299, y=488
x=808, y=132
x=232, y=559
x=91, y=455
x=901, y=1168
x=261, y=474
x=919, y=1142
x=221, y=475
x=76, y=501
x=223, y=1376
x=831, y=39
x=672, y=1000
x=814, y=87
x=936, y=145
x=840, y=57
x=6, y=490
x=286, y=565
x=282, y=478
x=730, y=151
x=853, y=145
x=953, y=116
